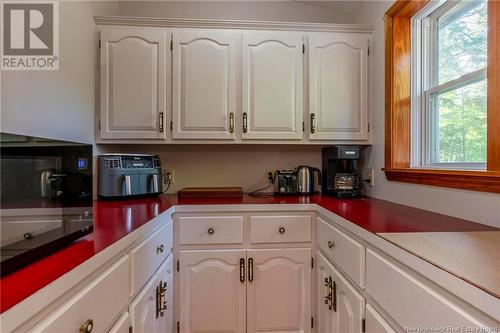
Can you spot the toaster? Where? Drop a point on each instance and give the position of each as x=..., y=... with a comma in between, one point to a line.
x=129, y=175
x=286, y=182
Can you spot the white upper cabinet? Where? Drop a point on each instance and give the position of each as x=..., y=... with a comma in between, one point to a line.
x=338, y=86
x=133, y=83
x=272, y=85
x=204, y=68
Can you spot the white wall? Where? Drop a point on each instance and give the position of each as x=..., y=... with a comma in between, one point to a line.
x=225, y=165
x=58, y=104
x=290, y=11
x=476, y=206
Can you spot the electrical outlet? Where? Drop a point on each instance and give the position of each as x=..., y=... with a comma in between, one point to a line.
x=371, y=177
x=168, y=176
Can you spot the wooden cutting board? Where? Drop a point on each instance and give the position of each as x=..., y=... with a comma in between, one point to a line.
x=210, y=192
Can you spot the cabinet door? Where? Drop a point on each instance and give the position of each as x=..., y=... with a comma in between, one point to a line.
x=203, y=84
x=279, y=290
x=166, y=280
x=338, y=86
x=350, y=306
x=145, y=311
x=211, y=294
x=375, y=323
x=325, y=315
x=133, y=83
x=122, y=324
x=272, y=83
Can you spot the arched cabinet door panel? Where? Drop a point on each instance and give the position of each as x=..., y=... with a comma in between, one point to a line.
x=211, y=294
x=133, y=84
x=272, y=85
x=338, y=86
x=204, y=68
x=279, y=290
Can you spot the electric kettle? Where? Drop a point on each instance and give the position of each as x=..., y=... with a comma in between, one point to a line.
x=305, y=179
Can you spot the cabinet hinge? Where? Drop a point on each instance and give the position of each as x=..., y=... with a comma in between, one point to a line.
x=368, y=127
x=130, y=330
x=178, y=327
x=303, y=48
x=178, y=265
x=369, y=51
x=363, y=325
x=312, y=262
x=303, y=127
x=171, y=126
x=99, y=43
x=171, y=45
x=99, y=124
x=312, y=322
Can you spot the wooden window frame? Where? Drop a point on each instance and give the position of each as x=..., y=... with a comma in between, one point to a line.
x=398, y=105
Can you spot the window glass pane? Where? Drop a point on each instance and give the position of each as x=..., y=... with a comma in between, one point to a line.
x=462, y=40
x=460, y=123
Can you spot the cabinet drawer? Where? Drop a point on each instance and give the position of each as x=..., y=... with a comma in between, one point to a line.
x=280, y=229
x=101, y=301
x=344, y=251
x=211, y=229
x=409, y=301
x=148, y=255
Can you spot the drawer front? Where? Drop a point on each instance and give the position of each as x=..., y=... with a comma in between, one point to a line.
x=410, y=302
x=344, y=251
x=210, y=230
x=101, y=300
x=148, y=255
x=280, y=229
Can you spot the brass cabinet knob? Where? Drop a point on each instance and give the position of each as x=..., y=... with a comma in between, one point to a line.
x=281, y=230
x=87, y=326
x=211, y=231
x=330, y=244
x=160, y=248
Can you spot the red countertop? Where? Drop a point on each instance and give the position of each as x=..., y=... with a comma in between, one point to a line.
x=115, y=219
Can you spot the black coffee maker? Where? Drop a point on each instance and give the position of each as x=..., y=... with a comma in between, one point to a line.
x=341, y=177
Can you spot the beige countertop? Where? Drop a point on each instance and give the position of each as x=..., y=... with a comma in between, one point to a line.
x=473, y=256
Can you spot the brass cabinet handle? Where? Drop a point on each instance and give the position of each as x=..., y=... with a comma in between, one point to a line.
x=245, y=122
x=242, y=270
x=250, y=270
x=160, y=120
x=334, y=293
x=160, y=248
x=313, y=123
x=210, y=231
x=329, y=293
x=87, y=327
x=231, y=122
x=281, y=230
x=330, y=244
x=161, y=299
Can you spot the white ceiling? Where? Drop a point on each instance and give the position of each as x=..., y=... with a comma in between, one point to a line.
x=335, y=5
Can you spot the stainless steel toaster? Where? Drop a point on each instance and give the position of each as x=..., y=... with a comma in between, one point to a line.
x=129, y=175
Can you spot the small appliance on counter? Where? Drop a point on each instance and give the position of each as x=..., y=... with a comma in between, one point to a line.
x=46, y=197
x=341, y=176
x=285, y=182
x=129, y=175
x=305, y=176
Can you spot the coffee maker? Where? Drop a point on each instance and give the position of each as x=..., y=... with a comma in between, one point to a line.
x=341, y=176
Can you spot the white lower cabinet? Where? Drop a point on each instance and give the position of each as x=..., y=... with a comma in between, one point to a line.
x=375, y=323
x=279, y=290
x=122, y=324
x=151, y=311
x=340, y=308
x=211, y=296
x=95, y=306
x=266, y=290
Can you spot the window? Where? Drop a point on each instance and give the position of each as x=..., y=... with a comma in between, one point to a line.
x=442, y=93
x=449, y=58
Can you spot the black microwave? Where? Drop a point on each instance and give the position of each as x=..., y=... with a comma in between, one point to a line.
x=45, y=197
